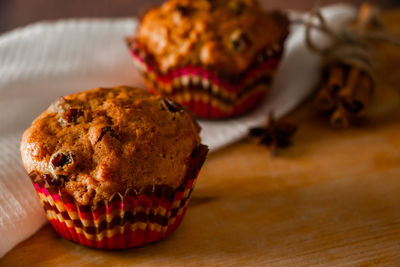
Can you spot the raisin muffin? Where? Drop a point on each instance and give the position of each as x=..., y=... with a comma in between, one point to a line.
x=216, y=57
x=113, y=167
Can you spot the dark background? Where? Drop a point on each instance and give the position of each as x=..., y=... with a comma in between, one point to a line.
x=15, y=13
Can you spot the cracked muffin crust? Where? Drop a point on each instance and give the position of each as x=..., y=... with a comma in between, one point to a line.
x=221, y=34
x=217, y=57
x=106, y=140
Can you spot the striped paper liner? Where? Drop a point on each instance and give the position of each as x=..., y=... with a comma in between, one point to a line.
x=207, y=94
x=130, y=220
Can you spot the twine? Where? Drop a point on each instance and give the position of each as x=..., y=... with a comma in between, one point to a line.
x=350, y=46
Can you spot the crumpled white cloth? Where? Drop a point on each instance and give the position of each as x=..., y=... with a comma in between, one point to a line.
x=45, y=60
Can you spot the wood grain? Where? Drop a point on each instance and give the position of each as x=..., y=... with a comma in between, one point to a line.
x=332, y=198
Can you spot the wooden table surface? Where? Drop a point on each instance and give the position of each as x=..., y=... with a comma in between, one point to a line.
x=332, y=198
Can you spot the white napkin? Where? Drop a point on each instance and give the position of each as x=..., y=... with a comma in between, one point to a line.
x=40, y=62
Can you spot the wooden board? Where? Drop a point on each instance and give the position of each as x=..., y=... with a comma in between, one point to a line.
x=332, y=198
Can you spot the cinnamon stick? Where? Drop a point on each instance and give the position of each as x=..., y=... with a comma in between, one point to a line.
x=347, y=86
x=347, y=92
x=324, y=99
x=340, y=118
x=362, y=94
x=368, y=18
x=336, y=78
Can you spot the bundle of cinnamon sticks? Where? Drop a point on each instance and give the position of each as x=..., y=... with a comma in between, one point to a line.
x=345, y=92
x=347, y=83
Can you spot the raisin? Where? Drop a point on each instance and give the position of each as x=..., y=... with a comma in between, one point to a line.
x=107, y=130
x=60, y=159
x=237, y=7
x=72, y=114
x=53, y=180
x=240, y=41
x=149, y=59
x=34, y=176
x=172, y=106
x=183, y=10
x=212, y=4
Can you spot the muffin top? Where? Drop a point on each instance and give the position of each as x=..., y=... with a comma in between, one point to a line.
x=225, y=35
x=106, y=140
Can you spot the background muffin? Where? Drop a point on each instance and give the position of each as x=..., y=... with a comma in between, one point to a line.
x=216, y=57
x=93, y=154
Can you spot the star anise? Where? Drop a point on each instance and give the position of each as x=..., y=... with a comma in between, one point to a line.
x=274, y=134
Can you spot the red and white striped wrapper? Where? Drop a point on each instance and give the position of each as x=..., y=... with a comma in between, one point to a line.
x=206, y=93
x=125, y=221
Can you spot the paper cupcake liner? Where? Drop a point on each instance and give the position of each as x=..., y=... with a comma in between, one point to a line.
x=206, y=93
x=125, y=221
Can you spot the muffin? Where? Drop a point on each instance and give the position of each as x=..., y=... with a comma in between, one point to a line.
x=113, y=167
x=216, y=57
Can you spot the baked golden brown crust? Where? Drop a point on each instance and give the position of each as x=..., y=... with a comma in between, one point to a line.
x=225, y=35
x=103, y=141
